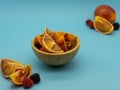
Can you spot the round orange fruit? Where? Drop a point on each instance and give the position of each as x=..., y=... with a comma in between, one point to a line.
x=106, y=12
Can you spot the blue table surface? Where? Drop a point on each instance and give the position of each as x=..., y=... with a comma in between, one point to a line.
x=97, y=63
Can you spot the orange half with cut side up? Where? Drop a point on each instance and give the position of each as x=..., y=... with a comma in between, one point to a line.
x=102, y=25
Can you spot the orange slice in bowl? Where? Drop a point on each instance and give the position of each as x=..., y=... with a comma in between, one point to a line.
x=47, y=31
x=50, y=45
x=18, y=76
x=39, y=38
x=38, y=41
x=9, y=66
x=102, y=25
x=70, y=40
x=60, y=40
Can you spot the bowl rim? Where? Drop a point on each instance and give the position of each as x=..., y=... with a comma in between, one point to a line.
x=47, y=53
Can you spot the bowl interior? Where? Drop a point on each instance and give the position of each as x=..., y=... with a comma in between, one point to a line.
x=56, y=58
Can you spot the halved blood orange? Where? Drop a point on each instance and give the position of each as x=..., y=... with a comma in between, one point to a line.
x=50, y=45
x=9, y=66
x=102, y=25
x=18, y=76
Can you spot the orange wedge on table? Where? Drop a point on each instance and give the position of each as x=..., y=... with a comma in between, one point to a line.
x=18, y=76
x=102, y=25
x=9, y=66
x=15, y=71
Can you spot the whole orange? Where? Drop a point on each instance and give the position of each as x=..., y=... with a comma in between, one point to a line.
x=106, y=12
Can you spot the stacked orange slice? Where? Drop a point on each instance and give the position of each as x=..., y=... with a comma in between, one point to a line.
x=54, y=42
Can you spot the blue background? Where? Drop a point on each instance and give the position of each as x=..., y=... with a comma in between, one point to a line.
x=95, y=67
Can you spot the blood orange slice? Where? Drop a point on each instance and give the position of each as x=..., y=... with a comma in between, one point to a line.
x=50, y=45
x=9, y=66
x=18, y=76
x=102, y=25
